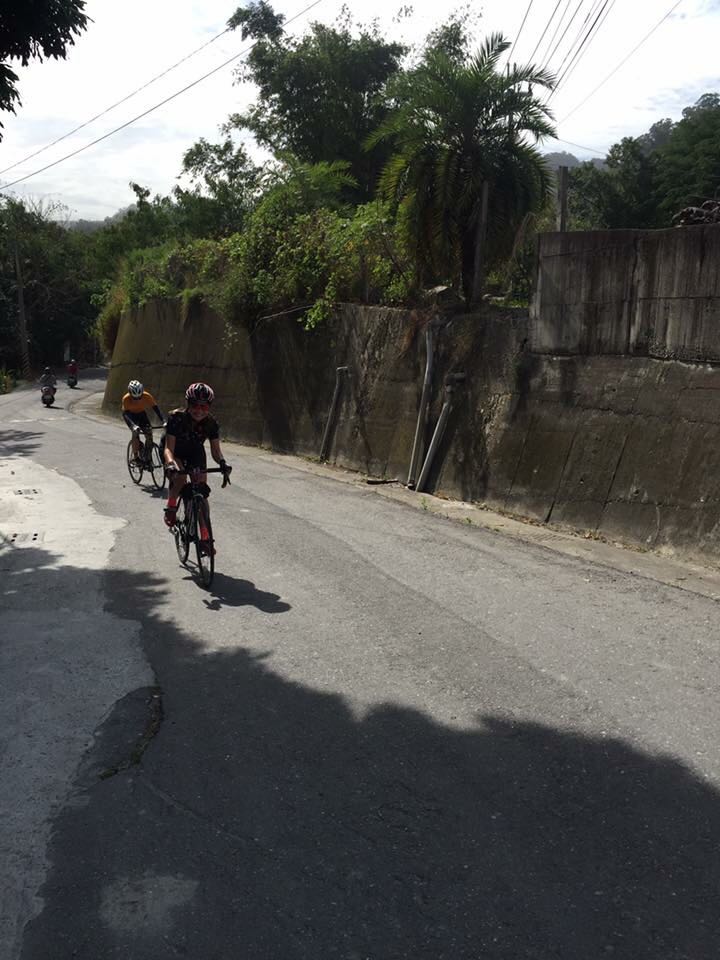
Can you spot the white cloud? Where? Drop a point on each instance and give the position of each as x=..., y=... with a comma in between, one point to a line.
x=130, y=41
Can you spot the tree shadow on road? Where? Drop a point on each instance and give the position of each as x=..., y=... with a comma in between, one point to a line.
x=267, y=819
x=19, y=443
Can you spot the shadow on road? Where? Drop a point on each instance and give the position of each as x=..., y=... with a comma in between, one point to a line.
x=268, y=820
x=19, y=442
x=232, y=592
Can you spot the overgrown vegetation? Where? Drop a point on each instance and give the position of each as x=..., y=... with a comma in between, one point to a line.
x=379, y=160
x=646, y=180
x=7, y=380
x=306, y=261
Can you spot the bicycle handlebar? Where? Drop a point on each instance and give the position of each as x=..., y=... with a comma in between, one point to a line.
x=226, y=474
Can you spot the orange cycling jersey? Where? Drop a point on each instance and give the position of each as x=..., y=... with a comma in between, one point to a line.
x=138, y=404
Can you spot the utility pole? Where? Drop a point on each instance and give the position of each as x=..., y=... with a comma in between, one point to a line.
x=562, y=199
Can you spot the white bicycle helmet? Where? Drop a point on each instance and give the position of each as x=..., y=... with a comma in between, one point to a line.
x=135, y=388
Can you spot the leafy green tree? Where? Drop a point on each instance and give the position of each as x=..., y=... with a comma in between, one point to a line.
x=621, y=195
x=43, y=285
x=657, y=136
x=689, y=163
x=33, y=29
x=453, y=37
x=319, y=96
x=456, y=127
x=225, y=184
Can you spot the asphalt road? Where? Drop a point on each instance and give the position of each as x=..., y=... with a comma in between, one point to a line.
x=379, y=735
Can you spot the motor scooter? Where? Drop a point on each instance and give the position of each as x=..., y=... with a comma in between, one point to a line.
x=71, y=380
x=47, y=395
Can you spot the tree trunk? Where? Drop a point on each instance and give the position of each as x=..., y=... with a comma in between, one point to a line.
x=478, y=280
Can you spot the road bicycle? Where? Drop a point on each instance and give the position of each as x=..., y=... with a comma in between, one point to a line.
x=149, y=458
x=193, y=515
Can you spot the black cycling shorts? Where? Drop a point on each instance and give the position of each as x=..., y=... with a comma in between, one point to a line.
x=192, y=455
x=139, y=419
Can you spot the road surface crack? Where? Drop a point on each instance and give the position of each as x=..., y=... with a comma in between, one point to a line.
x=152, y=727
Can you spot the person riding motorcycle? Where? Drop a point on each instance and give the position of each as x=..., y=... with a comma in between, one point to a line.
x=48, y=378
x=72, y=371
x=135, y=404
x=185, y=436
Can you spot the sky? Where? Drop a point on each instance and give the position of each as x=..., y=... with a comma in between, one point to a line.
x=131, y=41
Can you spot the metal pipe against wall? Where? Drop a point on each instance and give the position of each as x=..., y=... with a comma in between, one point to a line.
x=451, y=384
x=325, y=445
x=419, y=440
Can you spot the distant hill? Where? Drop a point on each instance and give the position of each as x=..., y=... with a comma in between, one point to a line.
x=84, y=226
x=561, y=159
x=92, y=226
x=569, y=160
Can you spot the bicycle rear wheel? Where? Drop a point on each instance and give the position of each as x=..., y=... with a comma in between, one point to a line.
x=157, y=467
x=181, y=532
x=134, y=467
x=205, y=560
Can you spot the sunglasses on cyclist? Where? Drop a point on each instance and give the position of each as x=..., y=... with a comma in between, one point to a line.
x=202, y=407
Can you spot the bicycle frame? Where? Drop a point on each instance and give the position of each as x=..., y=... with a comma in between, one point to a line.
x=188, y=529
x=146, y=448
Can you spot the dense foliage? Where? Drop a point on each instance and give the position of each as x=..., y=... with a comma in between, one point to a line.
x=35, y=29
x=373, y=192
x=45, y=268
x=648, y=179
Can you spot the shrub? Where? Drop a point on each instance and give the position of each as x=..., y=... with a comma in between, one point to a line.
x=7, y=380
x=282, y=260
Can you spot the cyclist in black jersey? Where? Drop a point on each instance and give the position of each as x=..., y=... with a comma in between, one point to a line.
x=185, y=436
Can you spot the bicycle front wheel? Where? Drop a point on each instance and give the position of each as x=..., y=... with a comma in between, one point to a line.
x=157, y=467
x=134, y=466
x=204, y=549
x=182, y=538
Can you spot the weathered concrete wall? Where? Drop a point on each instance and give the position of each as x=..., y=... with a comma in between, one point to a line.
x=649, y=293
x=274, y=384
x=600, y=411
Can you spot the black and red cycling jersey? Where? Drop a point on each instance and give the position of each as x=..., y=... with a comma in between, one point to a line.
x=190, y=436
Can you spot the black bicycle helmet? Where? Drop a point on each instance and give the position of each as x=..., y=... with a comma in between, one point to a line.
x=199, y=393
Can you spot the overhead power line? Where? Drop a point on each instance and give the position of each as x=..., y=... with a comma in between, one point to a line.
x=517, y=35
x=591, y=29
x=570, y=23
x=581, y=146
x=152, y=109
x=594, y=4
x=622, y=62
x=604, y=13
x=112, y=106
x=551, y=41
x=542, y=35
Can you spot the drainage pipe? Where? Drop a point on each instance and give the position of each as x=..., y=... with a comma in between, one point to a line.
x=325, y=445
x=419, y=440
x=451, y=384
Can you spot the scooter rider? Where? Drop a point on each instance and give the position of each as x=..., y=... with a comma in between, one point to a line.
x=48, y=378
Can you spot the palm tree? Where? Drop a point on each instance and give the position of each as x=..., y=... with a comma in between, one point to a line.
x=457, y=127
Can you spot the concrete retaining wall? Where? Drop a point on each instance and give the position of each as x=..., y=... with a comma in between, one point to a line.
x=600, y=411
x=630, y=293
